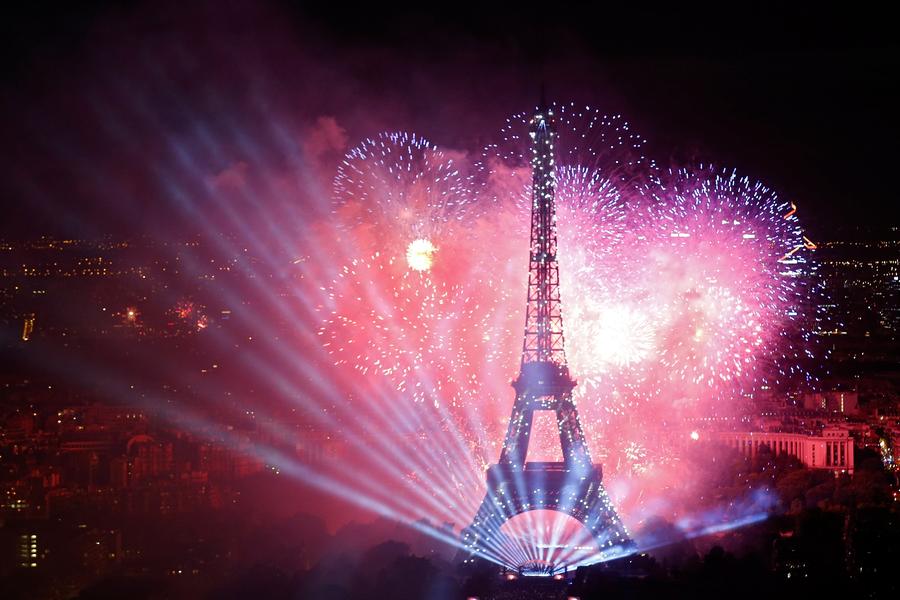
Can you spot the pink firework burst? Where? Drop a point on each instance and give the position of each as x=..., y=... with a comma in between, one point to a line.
x=398, y=187
x=727, y=283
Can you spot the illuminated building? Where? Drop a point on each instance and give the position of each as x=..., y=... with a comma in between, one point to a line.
x=28, y=551
x=832, y=401
x=149, y=458
x=832, y=450
x=574, y=486
x=28, y=327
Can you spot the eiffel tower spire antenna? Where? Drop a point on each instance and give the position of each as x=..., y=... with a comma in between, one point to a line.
x=573, y=486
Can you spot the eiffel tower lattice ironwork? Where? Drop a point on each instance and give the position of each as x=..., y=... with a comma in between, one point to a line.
x=573, y=486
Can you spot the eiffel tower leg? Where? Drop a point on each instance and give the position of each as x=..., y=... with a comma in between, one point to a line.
x=571, y=435
x=515, y=448
x=480, y=538
x=601, y=519
x=574, y=486
x=507, y=495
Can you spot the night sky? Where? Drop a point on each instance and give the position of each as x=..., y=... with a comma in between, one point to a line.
x=95, y=98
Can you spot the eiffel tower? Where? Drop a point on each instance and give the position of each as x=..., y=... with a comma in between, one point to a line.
x=573, y=486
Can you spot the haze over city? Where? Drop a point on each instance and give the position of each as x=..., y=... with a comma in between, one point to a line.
x=264, y=272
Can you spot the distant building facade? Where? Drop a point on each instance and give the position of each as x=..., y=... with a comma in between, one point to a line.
x=844, y=402
x=832, y=450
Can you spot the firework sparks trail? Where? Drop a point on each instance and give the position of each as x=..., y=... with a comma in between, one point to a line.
x=396, y=322
x=725, y=293
x=402, y=188
x=600, y=168
x=681, y=289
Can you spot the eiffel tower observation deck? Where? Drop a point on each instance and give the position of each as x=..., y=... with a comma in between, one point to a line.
x=573, y=486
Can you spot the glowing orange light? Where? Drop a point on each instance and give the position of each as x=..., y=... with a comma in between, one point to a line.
x=420, y=254
x=789, y=254
x=28, y=328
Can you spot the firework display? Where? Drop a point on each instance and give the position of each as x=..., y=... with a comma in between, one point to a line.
x=403, y=189
x=729, y=285
x=682, y=290
x=428, y=337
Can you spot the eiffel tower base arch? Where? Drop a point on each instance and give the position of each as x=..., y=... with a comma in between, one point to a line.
x=543, y=486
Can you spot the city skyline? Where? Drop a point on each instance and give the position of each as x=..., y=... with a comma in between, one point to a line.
x=736, y=85
x=261, y=280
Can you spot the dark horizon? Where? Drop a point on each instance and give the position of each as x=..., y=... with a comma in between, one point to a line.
x=802, y=102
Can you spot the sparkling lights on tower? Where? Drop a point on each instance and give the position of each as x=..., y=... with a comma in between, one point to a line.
x=572, y=486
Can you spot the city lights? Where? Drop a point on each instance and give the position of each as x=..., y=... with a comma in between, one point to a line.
x=301, y=304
